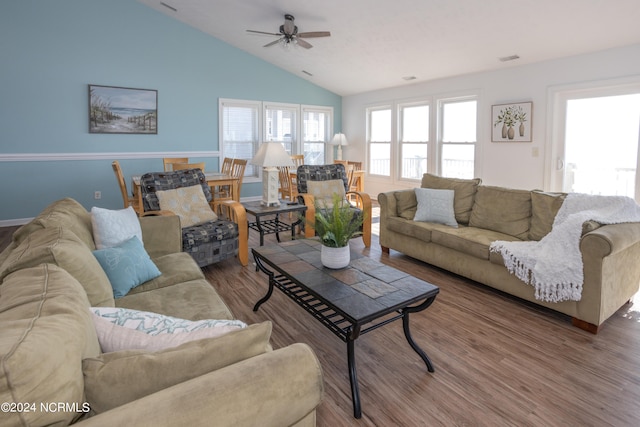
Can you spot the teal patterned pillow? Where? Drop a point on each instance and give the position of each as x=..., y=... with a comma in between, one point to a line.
x=126, y=329
x=127, y=265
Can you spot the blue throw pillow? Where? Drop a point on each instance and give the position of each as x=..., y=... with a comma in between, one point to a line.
x=127, y=265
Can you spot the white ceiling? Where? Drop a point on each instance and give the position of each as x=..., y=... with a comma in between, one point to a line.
x=375, y=43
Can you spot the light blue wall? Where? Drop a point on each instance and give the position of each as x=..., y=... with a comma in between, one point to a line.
x=51, y=50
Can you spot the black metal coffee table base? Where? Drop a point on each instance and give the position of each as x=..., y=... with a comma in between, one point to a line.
x=347, y=327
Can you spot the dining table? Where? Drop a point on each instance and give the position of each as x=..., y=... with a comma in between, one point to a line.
x=213, y=179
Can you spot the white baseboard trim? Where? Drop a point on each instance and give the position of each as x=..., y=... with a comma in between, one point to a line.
x=56, y=157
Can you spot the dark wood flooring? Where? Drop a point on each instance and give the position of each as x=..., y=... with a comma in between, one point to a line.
x=498, y=361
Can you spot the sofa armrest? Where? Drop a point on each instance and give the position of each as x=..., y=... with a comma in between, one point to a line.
x=388, y=204
x=610, y=239
x=161, y=235
x=277, y=388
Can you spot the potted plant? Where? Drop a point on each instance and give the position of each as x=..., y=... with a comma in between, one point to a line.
x=335, y=225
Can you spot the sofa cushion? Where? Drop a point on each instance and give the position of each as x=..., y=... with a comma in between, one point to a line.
x=65, y=213
x=409, y=227
x=469, y=240
x=435, y=206
x=46, y=332
x=127, y=265
x=113, y=379
x=503, y=210
x=60, y=246
x=112, y=227
x=544, y=207
x=194, y=300
x=406, y=203
x=189, y=203
x=175, y=268
x=464, y=189
x=125, y=329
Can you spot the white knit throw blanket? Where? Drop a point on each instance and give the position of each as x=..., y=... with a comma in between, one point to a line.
x=553, y=265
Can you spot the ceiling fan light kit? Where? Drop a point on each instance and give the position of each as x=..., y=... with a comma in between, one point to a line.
x=289, y=35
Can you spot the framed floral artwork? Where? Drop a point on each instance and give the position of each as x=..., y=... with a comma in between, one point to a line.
x=122, y=110
x=511, y=122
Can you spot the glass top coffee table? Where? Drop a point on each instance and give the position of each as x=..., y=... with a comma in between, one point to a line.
x=345, y=300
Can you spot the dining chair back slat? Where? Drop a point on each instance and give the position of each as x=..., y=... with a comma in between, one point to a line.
x=183, y=166
x=168, y=162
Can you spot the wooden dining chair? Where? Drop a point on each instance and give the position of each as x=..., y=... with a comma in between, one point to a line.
x=298, y=159
x=288, y=190
x=128, y=200
x=183, y=166
x=237, y=171
x=168, y=162
x=356, y=165
x=226, y=165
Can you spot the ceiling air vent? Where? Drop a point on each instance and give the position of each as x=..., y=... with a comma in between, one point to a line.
x=509, y=58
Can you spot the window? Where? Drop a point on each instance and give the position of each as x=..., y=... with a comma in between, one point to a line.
x=595, y=142
x=414, y=137
x=401, y=138
x=239, y=130
x=300, y=129
x=280, y=123
x=458, y=138
x=379, y=140
x=316, y=133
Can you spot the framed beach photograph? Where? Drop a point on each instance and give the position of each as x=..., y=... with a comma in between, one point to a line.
x=122, y=110
x=511, y=122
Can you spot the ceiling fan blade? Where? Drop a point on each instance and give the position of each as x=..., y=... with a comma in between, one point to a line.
x=304, y=44
x=315, y=34
x=262, y=32
x=272, y=43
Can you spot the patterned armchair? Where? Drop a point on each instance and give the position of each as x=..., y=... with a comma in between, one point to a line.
x=208, y=242
x=333, y=172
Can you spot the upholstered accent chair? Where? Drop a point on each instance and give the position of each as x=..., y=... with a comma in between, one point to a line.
x=210, y=241
x=336, y=177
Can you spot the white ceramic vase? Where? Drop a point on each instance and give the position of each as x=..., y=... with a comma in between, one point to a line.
x=335, y=257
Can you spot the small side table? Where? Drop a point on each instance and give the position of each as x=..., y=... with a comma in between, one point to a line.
x=273, y=225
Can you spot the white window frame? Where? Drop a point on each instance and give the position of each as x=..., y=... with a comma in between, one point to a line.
x=297, y=143
x=400, y=137
x=434, y=145
x=254, y=176
x=328, y=131
x=295, y=137
x=391, y=142
x=557, y=104
x=440, y=131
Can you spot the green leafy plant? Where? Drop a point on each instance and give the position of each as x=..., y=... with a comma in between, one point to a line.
x=337, y=224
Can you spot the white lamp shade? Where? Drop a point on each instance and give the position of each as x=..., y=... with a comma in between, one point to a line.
x=339, y=139
x=272, y=154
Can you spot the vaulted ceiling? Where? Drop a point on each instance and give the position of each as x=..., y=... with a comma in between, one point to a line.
x=376, y=44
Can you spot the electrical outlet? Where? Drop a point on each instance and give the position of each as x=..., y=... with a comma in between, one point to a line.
x=97, y=195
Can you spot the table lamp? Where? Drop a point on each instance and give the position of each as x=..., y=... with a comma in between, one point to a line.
x=339, y=139
x=270, y=155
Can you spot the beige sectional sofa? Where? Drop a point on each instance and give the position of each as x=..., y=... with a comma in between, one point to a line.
x=485, y=214
x=52, y=369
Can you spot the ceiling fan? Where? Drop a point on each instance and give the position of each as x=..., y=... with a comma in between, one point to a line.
x=289, y=34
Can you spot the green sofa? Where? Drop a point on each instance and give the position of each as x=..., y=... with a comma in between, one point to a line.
x=484, y=214
x=52, y=369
